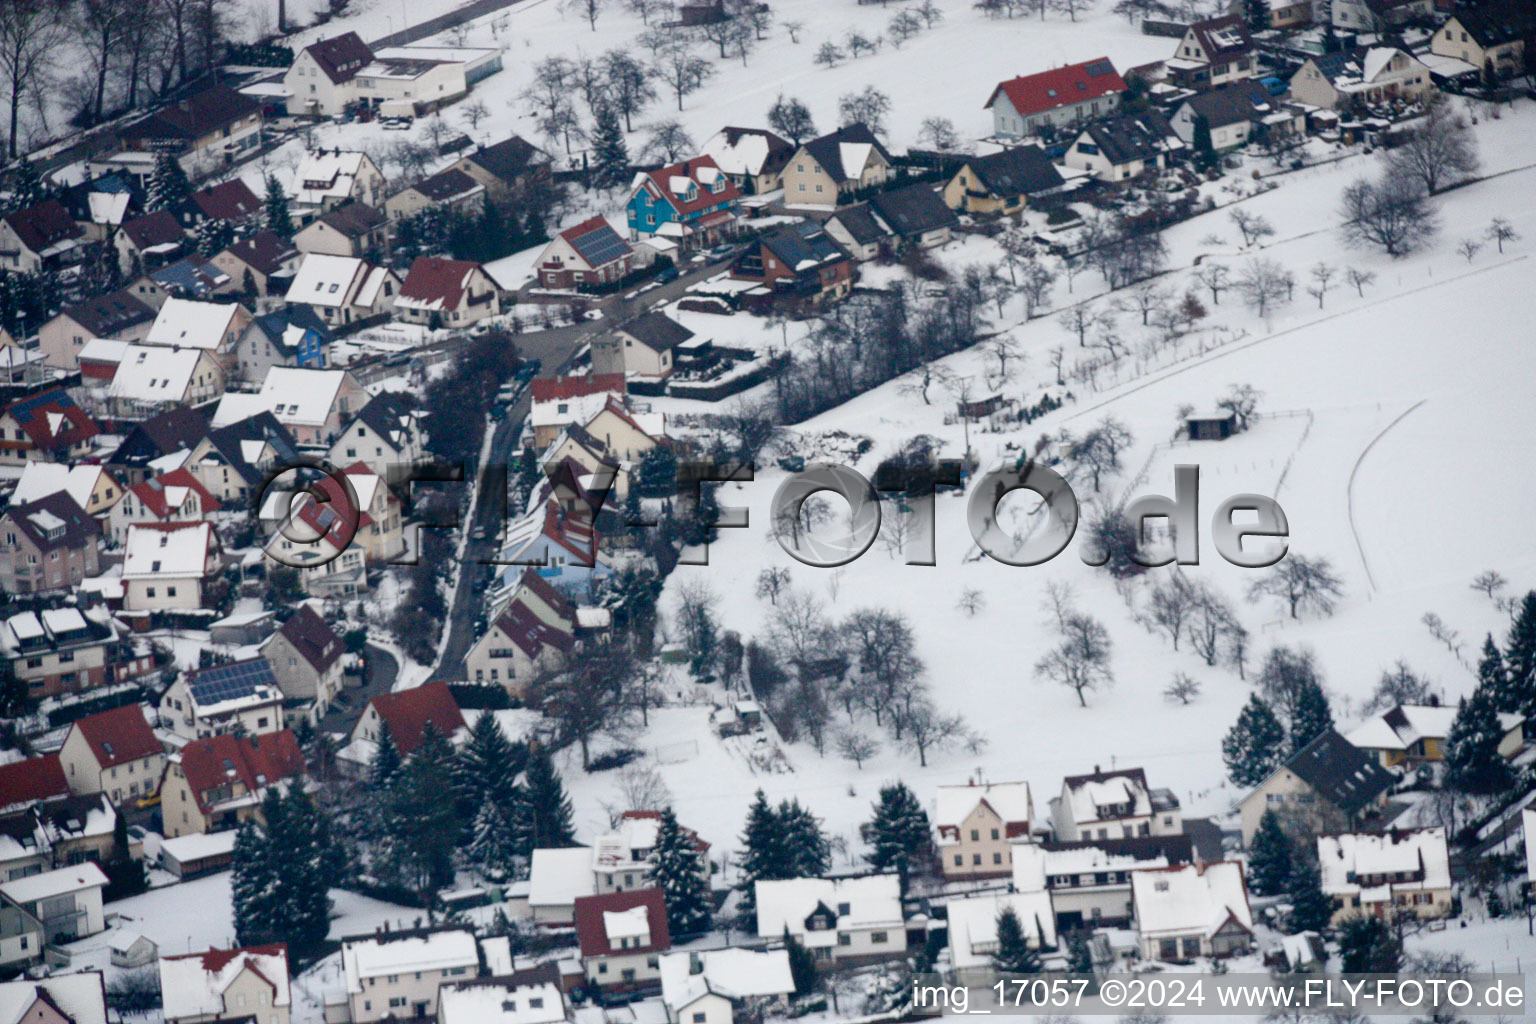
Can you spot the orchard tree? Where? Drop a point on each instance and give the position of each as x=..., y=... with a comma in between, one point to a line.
x=1302, y=583
x=792, y=119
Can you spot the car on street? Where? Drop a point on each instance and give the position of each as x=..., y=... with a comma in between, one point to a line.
x=667, y=275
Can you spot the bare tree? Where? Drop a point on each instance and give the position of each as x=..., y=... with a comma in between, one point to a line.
x=640, y=788
x=1392, y=214
x=939, y=133
x=771, y=583
x=1169, y=604
x=869, y=107
x=626, y=84
x=1322, y=280
x=31, y=34
x=1358, y=279
x=474, y=112
x=1262, y=284
x=588, y=10
x=1060, y=601
x=828, y=54
x=903, y=26
x=103, y=25
x=1214, y=276
x=971, y=601
x=1301, y=583
x=925, y=377
x=1490, y=583
x=928, y=729
x=1501, y=231
x=667, y=142
x=1437, y=150
x=1182, y=689
x=856, y=746
x=1469, y=248
x=1081, y=661
x=684, y=71
x=1146, y=299
x=1251, y=226
x=1212, y=624
x=794, y=28
x=1081, y=320
x=798, y=627
x=1035, y=285
x=1241, y=400
x=590, y=697
x=858, y=44
x=1398, y=685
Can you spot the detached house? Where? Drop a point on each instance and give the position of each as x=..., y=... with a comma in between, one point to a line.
x=317, y=79
x=45, y=427
x=1113, y=805
x=218, y=782
x=262, y=264
x=1192, y=911
x=152, y=378
x=1378, y=16
x=396, y=975
x=386, y=436
x=118, y=315
x=622, y=937
x=47, y=545
x=534, y=995
x=828, y=170
x=1382, y=874
x=1002, y=182
x=1329, y=782
x=707, y=986
x=1343, y=80
x=212, y=327
x=797, y=264
x=754, y=158
x=911, y=217
x=327, y=180
x=643, y=346
x=1125, y=146
x=230, y=200
x=406, y=713
x=167, y=565
x=112, y=752
x=589, y=253
x=174, y=497
x=692, y=203
x=1060, y=97
x=58, y=650
x=560, y=401
x=978, y=826
x=445, y=190
x=973, y=928
x=43, y=234
x=247, y=984
x=66, y=900
x=1089, y=886
x=207, y=130
x=295, y=336
x=342, y=290
x=1410, y=735
x=232, y=461
x=1494, y=35
x=837, y=919
x=93, y=488
x=506, y=168
x=312, y=405
x=1237, y=114
x=65, y=999
x=517, y=648
x=306, y=658
x=239, y=697
x=450, y=292
x=147, y=242
x=355, y=229
x=1213, y=52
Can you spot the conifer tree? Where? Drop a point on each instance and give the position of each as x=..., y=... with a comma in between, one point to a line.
x=802, y=965
x=278, y=219
x=309, y=867
x=806, y=851
x=1269, y=864
x=386, y=759
x=493, y=843
x=899, y=831
x=1014, y=955
x=213, y=235
x=1473, y=764
x=1079, y=955
x=1520, y=660
x=763, y=857
x=168, y=185
x=1311, y=908
x=545, y=818
x=1367, y=945
x=1312, y=716
x=610, y=155
x=486, y=768
x=253, y=886
x=1253, y=746
x=675, y=870
x=29, y=188
x=1493, y=678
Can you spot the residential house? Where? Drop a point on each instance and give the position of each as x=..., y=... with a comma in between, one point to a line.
x=396, y=975
x=621, y=860
x=148, y=242
x=1088, y=886
x=1494, y=35
x=1346, y=79
x=914, y=216
x=557, y=878
x=42, y=235
x=753, y=158
x=47, y=545
x=240, y=697
x=343, y=290
x=1236, y=115
x=45, y=427
x=413, y=81
x=313, y=405
x=1192, y=911
x=231, y=201
x=837, y=919
x=112, y=752
x=407, y=713
x=249, y=984
x=1125, y=146
x=355, y=229
x=380, y=533
x=691, y=203
x=533, y=995
x=622, y=936
x=117, y=315
x=101, y=204
x=828, y=170
x=534, y=592
x=21, y=944
x=174, y=497
x=58, y=832
x=168, y=566
x=506, y=168
x=797, y=264
x=294, y=336
x=212, y=327
x=1213, y=52
x=708, y=986
x=54, y=651
x=1378, y=16
x=561, y=542
x=317, y=79
x=233, y=460
x=1410, y=735
x=977, y=827
x=93, y=488
x=65, y=999
x=386, y=436
x=152, y=378
x=1058, y=98
x=1115, y=804
x=624, y=434
x=1003, y=182
x=329, y=179
x=517, y=648
x=332, y=542
x=576, y=456
x=1282, y=14
x=642, y=346
x=66, y=900
x=218, y=782
x=447, y=292
x=973, y=928
x=1383, y=874
x=207, y=130
x=446, y=190
x=560, y=401
x=305, y=656
x=262, y=264
x=589, y=253
x=1331, y=783
x=176, y=430
x=190, y=277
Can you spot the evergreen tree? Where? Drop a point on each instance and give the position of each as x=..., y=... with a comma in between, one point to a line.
x=254, y=886
x=419, y=831
x=1014, y=955
x=278, y=220
x=1269, y=865
x=1257, y=14
x=213, y=235
x=1311, y=908
x=1367, y=945
x=168, y=185
x=1205, y=150
x=486, y=769
x=1254, y=745
x=545, y=820
x=610, y=156
x=309, y=867
x=1312, y=716
x=802, y=965
x=675, y=865
x=1520, y=660
x=29, y=188
x=1079, y=955
x=1473, y=764
x=493, y=844
x=806, y=851
x=1493, y=679
x=125, y=876
x=763, y=856
x=899, y=831
x=386, y=759
x=496, y=235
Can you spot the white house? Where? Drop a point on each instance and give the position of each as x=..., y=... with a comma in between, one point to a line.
x=704, y=986
x=66, y=900
x=318, y=80
x=1089, y=886
x=326, y=180
x=977, y=827
x=342, y=289
x=973, y=926
x=65, y=999
x=213, y=327
x=1113, y=805
x=152, y=378
x=166, y=564
x=622, y=936
x=238, y=697
x=557, y=877
x=530, y=996
x=248, y=984
x=835, y=918
x=397, y=974
x=312, y=404
x=1379, y=874
x=1192, y=911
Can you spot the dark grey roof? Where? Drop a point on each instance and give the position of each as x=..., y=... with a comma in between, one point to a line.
x=107, y=316
x=261, y=427
x=1022, y=170
x=508, y=159
x=657, y=331
x=445, y=185
x=1178, y=849
x=232, y=681
x=274, y=325
x=1496, y=23
x=796, y=245
x=914, y=210
x=1231, y=104
x=860, y=223
x=827, y=150
x=1341, y=772
x=1131, y=137
x=1332, y=65
x=386, y=413
x=176, y=429
x=354, y=220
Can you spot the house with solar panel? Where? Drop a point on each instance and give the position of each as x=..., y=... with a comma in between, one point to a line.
x=585, y=254
x=1213, y=52
x=240, y=697
x=692, y=203
x=1057, y=98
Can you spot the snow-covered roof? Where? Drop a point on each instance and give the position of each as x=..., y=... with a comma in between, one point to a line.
x=299, y=396
x=199, y=846
x=325, y=280
x=326, y=175
x=557, y=876
x=528, y=997
x=166, y=550
x=81, y=997
x=1407, y=724
x=973, y=924
x=1010, y=800
x=1034, y=864
x=154, y=373
x=1399, y=860
x=194, y=986
x=1190, y=899
x=191, y=324
x=40, y=479
x=741, y=151
x=732, y=973
x=619, y=925
x=1103, y=797
x=866, y=902
x=403, y=952
x=59, y=882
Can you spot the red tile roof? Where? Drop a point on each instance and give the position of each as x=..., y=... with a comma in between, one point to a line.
x=118, y=736
x=152, y=492
x=232, y=200
x=408, y=711
x=36, y=778
x=434, y=279
x=52, y=420
x=215, y=960
x=593, y=936
x=661, y=182
x=43, y=224
x=530, y=633
x=257, y=761
x=315, y=641
x=553, y=389
x=698, y=844
x=152, y=229
x=1032, y=94
x=544, y=591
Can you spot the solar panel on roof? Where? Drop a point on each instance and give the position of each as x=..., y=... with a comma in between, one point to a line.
x=1100, y=67
x=599, y=247
x=230, y=682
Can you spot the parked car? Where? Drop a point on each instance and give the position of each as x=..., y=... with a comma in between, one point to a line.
x=667, y=274
x=395, y=124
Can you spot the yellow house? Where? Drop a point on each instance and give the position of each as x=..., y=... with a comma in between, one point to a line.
x=1413, y=734
x=1490, y=36
x=978, y=825
x=1382, y=874
x=1003, y=182
x=825, y=171
x=1330, y=783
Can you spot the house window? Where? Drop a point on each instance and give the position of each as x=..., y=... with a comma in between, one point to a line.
x=1168, y=949
x=877, y=938
x=995, y=834
x=975, y=835
x=698, y=1018
x=997, y=858
x=845, y=939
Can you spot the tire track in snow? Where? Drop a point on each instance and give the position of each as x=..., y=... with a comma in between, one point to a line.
x=1349, y=490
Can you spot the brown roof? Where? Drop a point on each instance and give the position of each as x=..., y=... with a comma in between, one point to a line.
x=312, y=638
x=257, y=761
x=79, y=530
x=353, y=220
x=118, y=735
x=530, y=633
x=35, y=778
x=107, y=316
x=152, y=229
x=544, y=591
x=43, y=224
x=551, y=389
x=264, y=252
x=434, y=279
x=446, y=185
x=1222, y=38
x=593, y=936
x=407, y=713
x=51, y=420
x=195, y=116
x=232, y=200
x=341, y=57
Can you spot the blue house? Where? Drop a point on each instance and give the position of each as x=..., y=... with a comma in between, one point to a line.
x=692, y=203
x=295, y=336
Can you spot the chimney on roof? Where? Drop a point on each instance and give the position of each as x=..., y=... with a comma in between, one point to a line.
x=1097, y=770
